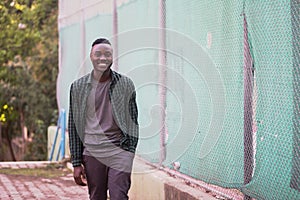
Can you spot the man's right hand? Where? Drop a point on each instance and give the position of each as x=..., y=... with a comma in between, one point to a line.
x=78, y=175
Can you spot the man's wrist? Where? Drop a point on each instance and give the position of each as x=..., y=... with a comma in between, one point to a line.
x=76, y=162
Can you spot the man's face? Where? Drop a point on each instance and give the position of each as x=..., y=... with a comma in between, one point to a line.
x=101, y=57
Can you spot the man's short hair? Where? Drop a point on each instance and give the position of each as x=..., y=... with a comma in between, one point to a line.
x=101, y=41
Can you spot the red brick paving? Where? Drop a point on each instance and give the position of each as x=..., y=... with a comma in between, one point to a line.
x=18, y=187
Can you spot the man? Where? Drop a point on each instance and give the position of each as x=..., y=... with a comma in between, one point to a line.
x=103, y=127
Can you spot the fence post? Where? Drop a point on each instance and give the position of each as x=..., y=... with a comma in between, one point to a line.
x=115, y=36
x=248, y=110
x=162, y=60
x=55, y=139
x=63, y=133
x=61, y=124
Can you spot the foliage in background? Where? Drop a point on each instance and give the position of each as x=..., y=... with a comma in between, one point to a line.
x=36, y=150
x=28, y=70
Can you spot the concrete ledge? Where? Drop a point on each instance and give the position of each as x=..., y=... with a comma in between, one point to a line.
x=151, y=183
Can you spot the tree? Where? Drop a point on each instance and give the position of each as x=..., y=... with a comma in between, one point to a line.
x=28, y=66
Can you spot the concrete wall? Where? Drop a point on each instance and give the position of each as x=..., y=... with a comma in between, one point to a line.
x=150, y=183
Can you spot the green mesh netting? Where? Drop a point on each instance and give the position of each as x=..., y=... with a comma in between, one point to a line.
x=69, y=60
x=276, y=70
x=217, y=28
x=98, y=26
x=138, y=59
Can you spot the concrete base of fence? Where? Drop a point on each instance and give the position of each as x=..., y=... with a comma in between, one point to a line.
x=151, y=183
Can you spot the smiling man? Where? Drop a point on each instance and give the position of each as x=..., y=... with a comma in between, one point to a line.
x=103, y=127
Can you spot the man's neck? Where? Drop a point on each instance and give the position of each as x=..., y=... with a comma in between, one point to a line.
x=102, y=77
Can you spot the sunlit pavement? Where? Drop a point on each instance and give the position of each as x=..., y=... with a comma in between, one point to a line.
x=18, y=187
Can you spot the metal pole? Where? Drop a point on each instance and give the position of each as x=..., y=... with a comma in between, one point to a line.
x=162, y=56
x=83, y=37
x=63, y=133
x=295, y=18
x=115, y=36
x=55, y=138
x=248, y=110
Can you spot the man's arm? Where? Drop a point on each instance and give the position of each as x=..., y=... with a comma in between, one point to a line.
x=76, y=146
x=133, y=118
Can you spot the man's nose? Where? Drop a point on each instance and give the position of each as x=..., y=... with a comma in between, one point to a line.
x=102, y=57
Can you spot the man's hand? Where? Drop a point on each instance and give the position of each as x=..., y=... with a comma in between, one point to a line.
x=78, y=175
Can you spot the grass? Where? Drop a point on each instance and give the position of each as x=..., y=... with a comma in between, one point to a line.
x=49, y=171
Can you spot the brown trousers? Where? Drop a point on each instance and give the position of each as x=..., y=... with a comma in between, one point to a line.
x=111, y=174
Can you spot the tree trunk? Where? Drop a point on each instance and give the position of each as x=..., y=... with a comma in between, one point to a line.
x=22, y=125
x=23, y=131
x=10, y=144
x=0, y=133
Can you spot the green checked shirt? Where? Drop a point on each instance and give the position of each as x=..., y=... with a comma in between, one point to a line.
x=123, y=100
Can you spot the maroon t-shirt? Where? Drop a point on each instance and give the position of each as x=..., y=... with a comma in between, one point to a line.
x=102, y=135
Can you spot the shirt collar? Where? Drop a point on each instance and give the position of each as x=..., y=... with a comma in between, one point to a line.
x=113, y=76
x=90, y=78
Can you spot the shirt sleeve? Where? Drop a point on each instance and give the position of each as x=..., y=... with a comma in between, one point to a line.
x=133, y=119
x=75, y=143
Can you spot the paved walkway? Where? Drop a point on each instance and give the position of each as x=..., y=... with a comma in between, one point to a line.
x=17, y=187
x=21, y=187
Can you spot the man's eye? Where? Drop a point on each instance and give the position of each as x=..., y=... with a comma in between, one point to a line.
x=105, y=54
